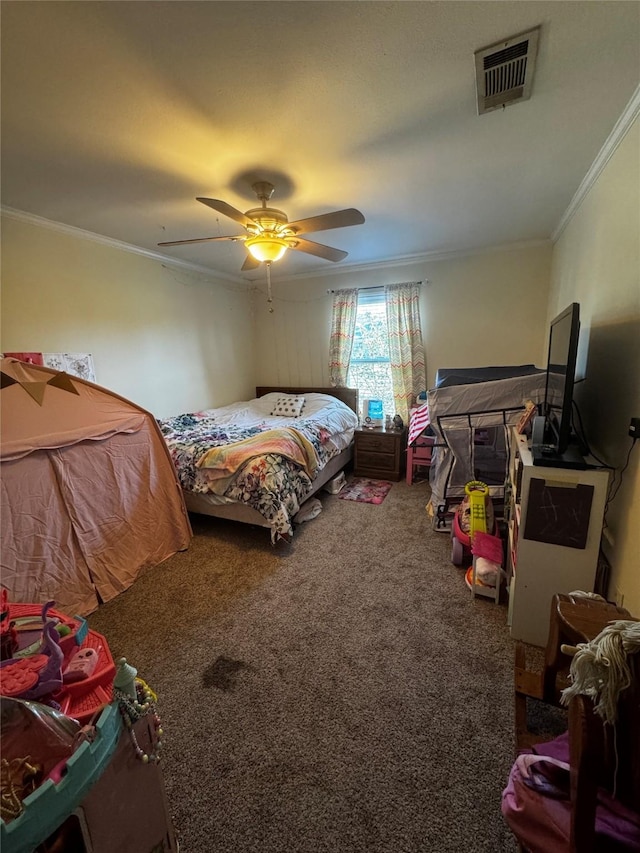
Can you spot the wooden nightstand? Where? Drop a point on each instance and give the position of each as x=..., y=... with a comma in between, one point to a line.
x=380, y=453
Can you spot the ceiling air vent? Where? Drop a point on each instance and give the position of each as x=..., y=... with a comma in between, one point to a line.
x=504, y=71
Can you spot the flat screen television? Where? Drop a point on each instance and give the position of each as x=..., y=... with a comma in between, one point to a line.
x=561, y=368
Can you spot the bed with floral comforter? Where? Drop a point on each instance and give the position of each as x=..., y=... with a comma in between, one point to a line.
x=244, y=454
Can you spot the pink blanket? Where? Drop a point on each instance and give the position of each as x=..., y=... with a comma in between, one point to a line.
x=224, y=461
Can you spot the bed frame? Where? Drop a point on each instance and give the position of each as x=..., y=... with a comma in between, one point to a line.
x=202, y=504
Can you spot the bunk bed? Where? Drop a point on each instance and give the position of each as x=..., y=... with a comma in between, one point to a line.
x=470, y=414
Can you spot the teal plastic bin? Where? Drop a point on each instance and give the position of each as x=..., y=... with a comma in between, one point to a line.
x=50, y=804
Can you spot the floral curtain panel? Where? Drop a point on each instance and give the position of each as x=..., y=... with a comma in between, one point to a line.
x=343, y=322
x=406, y=348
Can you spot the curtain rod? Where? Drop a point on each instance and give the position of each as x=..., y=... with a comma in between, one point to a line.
x=376, y=286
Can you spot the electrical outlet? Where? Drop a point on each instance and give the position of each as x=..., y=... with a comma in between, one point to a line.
x=634, y=428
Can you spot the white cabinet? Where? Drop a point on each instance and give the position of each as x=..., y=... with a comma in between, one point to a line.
x=555, y=518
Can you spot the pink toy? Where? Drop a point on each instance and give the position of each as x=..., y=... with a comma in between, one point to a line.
x=81, y=666
x=487, y=560
x=18, y=674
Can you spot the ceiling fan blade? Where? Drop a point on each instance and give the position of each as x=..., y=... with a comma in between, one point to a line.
x=250, y=263
x=318, y=250
x=227, y=210
x=338, y=219
x=202, y=240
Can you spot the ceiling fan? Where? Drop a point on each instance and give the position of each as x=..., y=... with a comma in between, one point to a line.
x=270, y=234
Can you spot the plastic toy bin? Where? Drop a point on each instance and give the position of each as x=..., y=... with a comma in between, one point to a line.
x=50, y=804
x=108, y=799
x=81, y=699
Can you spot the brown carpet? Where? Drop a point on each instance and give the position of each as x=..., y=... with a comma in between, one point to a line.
x=344, y=693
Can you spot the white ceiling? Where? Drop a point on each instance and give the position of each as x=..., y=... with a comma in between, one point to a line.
x=116, y=115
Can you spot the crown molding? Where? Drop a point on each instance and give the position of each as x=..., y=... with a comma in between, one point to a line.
x=406, y=260
x=72, y=231
x=614, y=139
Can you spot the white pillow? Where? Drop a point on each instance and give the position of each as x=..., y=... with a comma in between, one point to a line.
x=288, y=407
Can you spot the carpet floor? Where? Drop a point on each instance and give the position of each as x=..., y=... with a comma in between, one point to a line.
x=344, y=693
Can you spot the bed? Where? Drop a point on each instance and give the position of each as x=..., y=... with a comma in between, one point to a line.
x=257, y=461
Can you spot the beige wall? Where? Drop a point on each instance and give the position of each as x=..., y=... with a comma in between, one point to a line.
x=596, y=262
x=169, y=339
x=480, y=309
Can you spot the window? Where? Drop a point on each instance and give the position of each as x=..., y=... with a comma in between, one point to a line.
x=370, y=367
x=376, y=344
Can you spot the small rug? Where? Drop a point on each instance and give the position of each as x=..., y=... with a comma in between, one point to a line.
x=365, y=491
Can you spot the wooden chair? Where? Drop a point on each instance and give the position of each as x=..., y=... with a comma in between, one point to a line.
x=419, y=456
x=600, y=756
x=573, y=619
x=603, y=756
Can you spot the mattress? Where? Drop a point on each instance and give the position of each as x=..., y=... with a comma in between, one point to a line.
x=244, y=454
x=447, y=376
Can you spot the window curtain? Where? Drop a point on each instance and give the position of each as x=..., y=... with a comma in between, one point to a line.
x=343, y=323
x=406, y=348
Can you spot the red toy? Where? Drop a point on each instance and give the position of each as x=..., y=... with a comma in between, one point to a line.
x=82, y=693
x=8, y=633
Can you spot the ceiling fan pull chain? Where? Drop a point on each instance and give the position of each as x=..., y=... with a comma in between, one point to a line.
x=269, y=299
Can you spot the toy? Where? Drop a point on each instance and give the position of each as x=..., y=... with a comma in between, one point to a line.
x=125, y=679
x=20, y=676
x=37, y=675
x=485, y=573
x=474, y=514
x=104, y=800
x=474, y=534
x=82, y=665
x=38, y=629
x=27, y=625
x=8, y=633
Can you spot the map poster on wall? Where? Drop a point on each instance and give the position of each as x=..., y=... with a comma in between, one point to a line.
x=74, y=363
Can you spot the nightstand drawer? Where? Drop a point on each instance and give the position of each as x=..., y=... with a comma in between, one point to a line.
x=376, y=442
x=378, y=461
x=379, y=454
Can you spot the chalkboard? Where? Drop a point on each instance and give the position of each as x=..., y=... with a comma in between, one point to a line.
x=558, y=513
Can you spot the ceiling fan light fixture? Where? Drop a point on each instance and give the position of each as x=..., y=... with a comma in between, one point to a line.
x=268, y=232
x=267, y=248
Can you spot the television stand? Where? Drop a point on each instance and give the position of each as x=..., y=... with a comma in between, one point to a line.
x=554, y=517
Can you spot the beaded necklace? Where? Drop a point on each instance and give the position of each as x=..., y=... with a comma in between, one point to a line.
x=133, y=710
